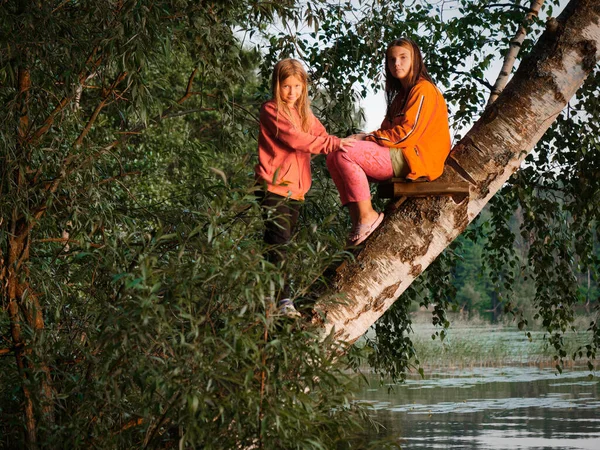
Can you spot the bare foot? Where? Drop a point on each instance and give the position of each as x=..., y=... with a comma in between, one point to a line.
x=369, y=218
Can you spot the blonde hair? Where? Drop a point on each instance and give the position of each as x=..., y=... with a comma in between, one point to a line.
x=292, y=68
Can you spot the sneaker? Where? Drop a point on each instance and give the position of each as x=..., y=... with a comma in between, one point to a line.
x=286, y=307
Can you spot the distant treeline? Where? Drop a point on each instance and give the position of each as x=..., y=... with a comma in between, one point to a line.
x=488, y=293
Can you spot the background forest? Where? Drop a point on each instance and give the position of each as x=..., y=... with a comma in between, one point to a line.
x=133, y=282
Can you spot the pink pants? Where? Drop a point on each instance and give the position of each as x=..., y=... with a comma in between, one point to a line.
x=352, y=170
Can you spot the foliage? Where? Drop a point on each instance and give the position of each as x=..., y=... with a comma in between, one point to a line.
x=128, y=219
x=145, y=240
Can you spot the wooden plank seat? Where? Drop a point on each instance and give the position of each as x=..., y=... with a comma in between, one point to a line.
x=399, y=187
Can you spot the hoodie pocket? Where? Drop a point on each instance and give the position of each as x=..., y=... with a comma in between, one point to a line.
x=282, y=173
x=414, y=158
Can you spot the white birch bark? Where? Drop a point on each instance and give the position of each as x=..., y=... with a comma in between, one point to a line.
x=513, y=51
x=421, y=228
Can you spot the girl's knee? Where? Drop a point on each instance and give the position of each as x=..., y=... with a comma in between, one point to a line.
x=333, y=158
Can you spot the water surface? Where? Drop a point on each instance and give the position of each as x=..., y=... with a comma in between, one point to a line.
x=491, y=408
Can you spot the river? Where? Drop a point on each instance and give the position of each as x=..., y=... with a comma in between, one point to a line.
x=489, y=388
x=490, y=408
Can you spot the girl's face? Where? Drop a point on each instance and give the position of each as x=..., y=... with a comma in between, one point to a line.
x=290, y=90
x=399, y=62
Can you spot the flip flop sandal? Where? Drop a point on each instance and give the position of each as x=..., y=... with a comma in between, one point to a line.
x=362, y=232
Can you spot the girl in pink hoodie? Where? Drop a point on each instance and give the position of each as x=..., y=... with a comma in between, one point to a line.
x=289, y=135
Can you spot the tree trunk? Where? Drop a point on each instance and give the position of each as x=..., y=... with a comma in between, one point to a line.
x=22, y=303
x=513, y=51
x=412, y=236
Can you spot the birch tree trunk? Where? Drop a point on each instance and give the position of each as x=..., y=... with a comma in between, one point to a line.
x=513, y=51
x=421, y=228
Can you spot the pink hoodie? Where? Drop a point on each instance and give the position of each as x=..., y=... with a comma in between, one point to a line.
x=284, y=151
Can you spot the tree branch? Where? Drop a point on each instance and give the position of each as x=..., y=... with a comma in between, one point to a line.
x=508, y=5
x=98, y=108
x=69, y=165
x=163, y=420
x=123, y=138
x=188, y=90
x=237, y=105
x=124, y=174
x=63, y=3
x=130, y=424
x=83, y=76
x=513, y=51
x=182, y=113
x=485, y=83
x=11, y=284
x=24, y=81
x=22, y=365
x=68, y=241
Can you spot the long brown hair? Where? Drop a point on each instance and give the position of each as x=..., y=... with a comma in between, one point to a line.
x=292, y=68
x=393, y=86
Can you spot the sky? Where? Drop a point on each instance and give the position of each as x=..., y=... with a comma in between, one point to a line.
x=374, y=107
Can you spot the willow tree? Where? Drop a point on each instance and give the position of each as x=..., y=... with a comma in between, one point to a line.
x=125, y=322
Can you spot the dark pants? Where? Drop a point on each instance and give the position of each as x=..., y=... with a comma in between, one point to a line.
x=280, y=216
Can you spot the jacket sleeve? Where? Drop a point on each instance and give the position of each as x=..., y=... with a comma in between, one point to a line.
x=318, y=128
x=281, y=128
x=420, y=107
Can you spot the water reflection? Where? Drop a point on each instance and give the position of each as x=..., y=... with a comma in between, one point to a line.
x=491, y=408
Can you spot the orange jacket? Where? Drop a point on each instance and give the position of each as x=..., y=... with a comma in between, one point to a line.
x=284, y=151
x=420, y=131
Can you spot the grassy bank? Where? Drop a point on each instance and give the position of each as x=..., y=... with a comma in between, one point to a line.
x=475, y=342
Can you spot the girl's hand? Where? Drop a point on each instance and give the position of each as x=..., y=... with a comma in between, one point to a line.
x=358, y=137
x=346, y=143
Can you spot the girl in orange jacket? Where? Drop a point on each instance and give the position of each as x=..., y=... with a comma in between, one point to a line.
x=289, y=135
x=412, y=142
